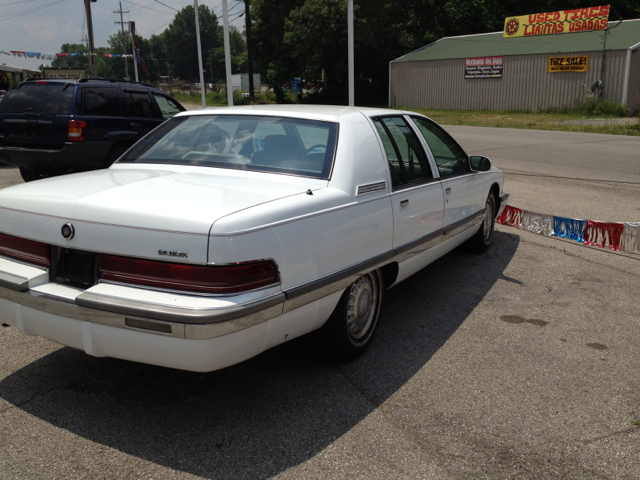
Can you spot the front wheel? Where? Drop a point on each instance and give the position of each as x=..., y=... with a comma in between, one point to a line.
x=349, y=330
x=481, y=241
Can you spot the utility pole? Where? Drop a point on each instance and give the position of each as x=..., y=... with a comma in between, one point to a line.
x=92, y=56
x=132, y=30
x=204, y=102
x=247, y=20
x=124, y=41
x=227, y=53
x=350, y=52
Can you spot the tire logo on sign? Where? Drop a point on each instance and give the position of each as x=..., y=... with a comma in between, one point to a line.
x=68, y=231
x=512, y=26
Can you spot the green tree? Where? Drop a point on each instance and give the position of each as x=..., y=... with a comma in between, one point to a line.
x=238, y=50
x=179, y=41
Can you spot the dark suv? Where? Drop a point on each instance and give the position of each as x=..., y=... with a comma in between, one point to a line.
x=52, y=127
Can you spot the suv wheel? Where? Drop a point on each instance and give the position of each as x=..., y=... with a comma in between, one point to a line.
x=115, y=154
x=30, y=175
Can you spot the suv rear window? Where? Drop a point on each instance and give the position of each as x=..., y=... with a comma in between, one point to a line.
x=52, y=98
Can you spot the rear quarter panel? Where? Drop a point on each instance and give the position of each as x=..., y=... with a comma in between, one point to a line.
x=311, y=236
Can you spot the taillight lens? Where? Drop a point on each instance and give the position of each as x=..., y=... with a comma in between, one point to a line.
x=214, y=279
x=76, y=130
x=27, y=251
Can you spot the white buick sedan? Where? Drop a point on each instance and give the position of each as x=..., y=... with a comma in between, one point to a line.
x=226, y=232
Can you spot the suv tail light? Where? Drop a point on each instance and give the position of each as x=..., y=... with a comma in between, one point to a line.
x=76, y=130
x=213, y=279
x=28, y=251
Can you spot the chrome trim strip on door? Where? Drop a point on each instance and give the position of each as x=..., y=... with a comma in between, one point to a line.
x=464, y=224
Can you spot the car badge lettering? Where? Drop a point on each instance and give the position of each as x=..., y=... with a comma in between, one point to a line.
x=68, y=231
x=173, y=254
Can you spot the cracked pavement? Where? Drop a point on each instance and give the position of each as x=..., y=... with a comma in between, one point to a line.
x=518, y=363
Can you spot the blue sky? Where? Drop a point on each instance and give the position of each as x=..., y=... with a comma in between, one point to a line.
x=44, y=25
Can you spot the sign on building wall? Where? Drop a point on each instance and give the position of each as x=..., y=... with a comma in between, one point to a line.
x=569, y=64
x=564, y=21
x=64, y=73
x=483, y=67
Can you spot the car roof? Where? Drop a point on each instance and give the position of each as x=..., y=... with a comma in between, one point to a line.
x=318, y=112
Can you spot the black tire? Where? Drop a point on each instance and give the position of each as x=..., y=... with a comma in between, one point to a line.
x=115, y=153
x=31, y=175
x=481, y=241
x=352, y=325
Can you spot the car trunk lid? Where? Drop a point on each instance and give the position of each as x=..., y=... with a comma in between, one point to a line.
x=138, y=211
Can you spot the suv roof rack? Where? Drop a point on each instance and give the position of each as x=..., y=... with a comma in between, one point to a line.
x=113, y=80
x=85, y=80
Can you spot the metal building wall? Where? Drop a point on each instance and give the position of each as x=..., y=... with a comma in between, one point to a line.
x=633, y=93
x=525, y=83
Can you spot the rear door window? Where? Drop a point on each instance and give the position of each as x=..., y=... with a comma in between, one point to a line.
x=407, y=160
x=139, y=105
x=101, y=101
x=53, y=98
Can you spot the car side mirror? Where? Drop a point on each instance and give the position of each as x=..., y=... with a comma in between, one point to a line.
x=478, y=163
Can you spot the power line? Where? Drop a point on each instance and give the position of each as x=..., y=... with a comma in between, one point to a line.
x=26, y=12
x=15, y=3
x=167, y=6
x=145, y=6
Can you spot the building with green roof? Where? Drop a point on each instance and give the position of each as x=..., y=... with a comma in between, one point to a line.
x=488, y=71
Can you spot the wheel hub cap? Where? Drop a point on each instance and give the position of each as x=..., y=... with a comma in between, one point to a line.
x=361, y=308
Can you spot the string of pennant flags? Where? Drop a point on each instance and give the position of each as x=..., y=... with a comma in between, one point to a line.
x=617, y=236
x=53, y=56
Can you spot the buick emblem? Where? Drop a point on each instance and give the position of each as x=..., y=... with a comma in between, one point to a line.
x=68, y=231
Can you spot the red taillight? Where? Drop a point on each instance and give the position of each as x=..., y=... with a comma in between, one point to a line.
x=76, y=130
x=41, y=82
x=25, y=250
x=214, y=279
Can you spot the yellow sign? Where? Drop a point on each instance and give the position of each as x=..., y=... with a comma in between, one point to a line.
x=569, y=64
x=564, y=21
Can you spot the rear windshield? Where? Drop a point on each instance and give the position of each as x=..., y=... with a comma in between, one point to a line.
x=246, y=142
x=52, y=98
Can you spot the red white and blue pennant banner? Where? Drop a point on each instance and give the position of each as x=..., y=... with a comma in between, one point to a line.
x=615, y=236
x=53, y=56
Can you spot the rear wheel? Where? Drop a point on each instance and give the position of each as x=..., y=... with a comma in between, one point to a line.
x=349, y=330
x=481, y=241
x=31, y=175
x=115, y=154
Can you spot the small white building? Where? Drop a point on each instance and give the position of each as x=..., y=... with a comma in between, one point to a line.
x=240, y=81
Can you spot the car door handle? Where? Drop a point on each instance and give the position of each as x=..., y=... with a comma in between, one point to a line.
x=404, y=204
x=447, y=190
x=135, y=124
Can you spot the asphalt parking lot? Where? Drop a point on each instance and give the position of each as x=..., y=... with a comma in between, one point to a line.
x=518, y=363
